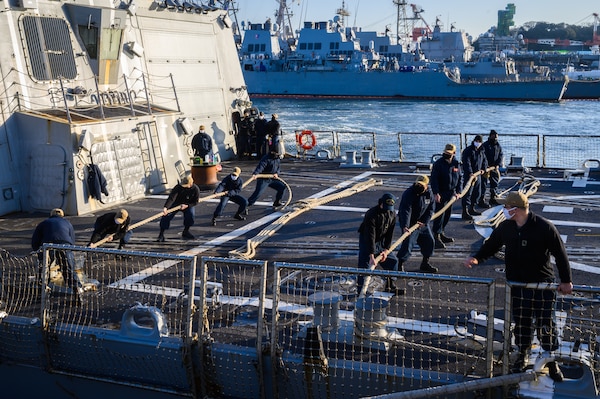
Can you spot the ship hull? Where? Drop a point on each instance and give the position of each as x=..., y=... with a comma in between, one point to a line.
x=409, y=85
x=583, y=90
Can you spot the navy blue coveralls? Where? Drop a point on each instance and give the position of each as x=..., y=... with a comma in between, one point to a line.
x=473, y=160
x=416, y=208
x=233, y=188
x=446, y=181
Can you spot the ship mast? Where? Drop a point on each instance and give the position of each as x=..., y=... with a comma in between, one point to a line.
x=343, y=13
x=404, y=23
x=595, y=37
x=401, y=26
x=284, y=23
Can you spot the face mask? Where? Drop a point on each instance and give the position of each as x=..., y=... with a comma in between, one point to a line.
x=476, y=144
x=507, y=214
x=447, y=156
x=234, y=177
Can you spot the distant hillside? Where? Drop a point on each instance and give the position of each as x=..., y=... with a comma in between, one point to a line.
x=545, y=30
x=545, y=36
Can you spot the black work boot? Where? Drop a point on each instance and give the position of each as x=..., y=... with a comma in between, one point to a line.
x=521, y=362
x=391, y=287
x=161, y=236
x=466, y=215
x=555, y=372
x=400, y=266
x=474, y=212
x=187, y=235
x=445, y=239
x=426, y=267
x=238, y=216
x=438, y=242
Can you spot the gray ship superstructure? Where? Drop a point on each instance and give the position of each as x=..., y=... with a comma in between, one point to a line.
x=112, y=89
x=329, y=59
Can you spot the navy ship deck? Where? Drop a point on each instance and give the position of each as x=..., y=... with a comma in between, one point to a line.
x=433, y=334
x=328, y=234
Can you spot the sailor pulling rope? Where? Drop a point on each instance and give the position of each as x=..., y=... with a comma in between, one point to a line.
x=414, y=227
x=179, y=207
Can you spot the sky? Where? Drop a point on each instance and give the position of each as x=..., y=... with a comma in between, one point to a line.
x=472, y=16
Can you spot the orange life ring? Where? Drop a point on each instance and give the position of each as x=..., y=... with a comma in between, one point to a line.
x=308, y=144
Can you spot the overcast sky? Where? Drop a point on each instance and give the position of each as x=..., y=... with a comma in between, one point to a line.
x=472, y=16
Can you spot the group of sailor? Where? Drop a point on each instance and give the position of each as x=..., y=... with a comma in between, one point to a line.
x=255, y=135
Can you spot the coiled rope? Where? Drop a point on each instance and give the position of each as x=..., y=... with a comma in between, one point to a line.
x=248, y=251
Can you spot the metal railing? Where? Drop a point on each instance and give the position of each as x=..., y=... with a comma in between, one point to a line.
x=553, y=151
x=280, y=330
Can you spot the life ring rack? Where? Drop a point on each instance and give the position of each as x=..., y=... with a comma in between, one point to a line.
x=307, y=140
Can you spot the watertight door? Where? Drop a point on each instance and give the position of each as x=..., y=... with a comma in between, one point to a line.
x=48, y=176
x=119, y=161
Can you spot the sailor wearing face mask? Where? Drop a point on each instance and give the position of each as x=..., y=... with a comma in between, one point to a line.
x=232, y=185
x=416, y=206
x=473, y=160
x=529, y=240
x=115, y=224
x=445, y=184
x=494, y=157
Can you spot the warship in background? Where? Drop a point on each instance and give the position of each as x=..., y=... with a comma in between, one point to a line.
x=549, y=57
x=329, y=59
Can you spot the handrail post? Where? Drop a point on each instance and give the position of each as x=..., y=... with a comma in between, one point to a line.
x=62, y=88
x=128, y=95
x=100, y=100
x=374, y=146
x=175, y=92
x=543, y=152
x=147, y=96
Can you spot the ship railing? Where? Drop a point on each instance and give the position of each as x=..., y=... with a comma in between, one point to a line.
x=232, y=297
x=136, y=94
x=435, y=329
x=574, y=341
x=333, y=145
x=106, y=314
x=271, y=330
x=535, y=151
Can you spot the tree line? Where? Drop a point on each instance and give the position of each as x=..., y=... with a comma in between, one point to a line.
x=546, y=30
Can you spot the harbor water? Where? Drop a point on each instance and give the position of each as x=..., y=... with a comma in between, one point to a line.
x=392, y=116
x=521, y=125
